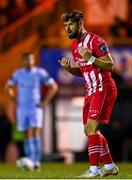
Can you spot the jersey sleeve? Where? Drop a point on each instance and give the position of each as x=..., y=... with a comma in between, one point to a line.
x=13, y=80
x=45, y=78
x=100, y=47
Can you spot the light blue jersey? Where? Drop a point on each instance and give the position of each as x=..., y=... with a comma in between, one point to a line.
x=29, y=84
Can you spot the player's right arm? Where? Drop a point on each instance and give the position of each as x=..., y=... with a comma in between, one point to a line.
x=70, y=66
x=10, y=86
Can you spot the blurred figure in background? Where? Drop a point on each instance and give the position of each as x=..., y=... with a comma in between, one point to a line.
x=127, y=146
x=19, y=9
x=29, y=81
x=119, y=28
x=129, y=20
x=3, y=21
x=4, y=9
x=33, y=3
x=5, y=138
x=92, y=61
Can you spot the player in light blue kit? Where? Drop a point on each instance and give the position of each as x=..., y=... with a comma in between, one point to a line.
x=29, y=81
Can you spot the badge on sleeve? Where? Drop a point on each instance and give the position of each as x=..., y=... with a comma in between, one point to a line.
x=104, y=48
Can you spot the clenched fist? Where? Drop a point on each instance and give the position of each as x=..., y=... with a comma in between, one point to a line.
x=65, y=62
x=85, y=53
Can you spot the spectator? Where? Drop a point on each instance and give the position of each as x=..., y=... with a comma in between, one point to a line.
x=118, y=29
x=127, y=148
x=3, y=21
x=19, y=9
x=15, y=147
x=4, y=7
x=129, y=21
x=31, y=3
x=5, y=133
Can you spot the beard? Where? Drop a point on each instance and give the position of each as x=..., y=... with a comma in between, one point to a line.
x=72, y=35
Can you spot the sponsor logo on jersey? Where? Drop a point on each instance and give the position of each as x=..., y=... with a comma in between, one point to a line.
x=81, y=61
x=83, y=64
x=93, y=115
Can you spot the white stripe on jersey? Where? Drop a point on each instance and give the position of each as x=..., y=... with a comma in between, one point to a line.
x=80, y=44
x=100, y=79
x=91, y=46
x=85, y=42
x=94, y=82
x=88, y=83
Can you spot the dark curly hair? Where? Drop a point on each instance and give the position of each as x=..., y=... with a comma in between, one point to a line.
x=26, y=54
x=74, y=15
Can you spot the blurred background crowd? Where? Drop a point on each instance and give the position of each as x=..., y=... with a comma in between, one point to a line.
x=120, y=23
x=36, y=25
x=11, y=10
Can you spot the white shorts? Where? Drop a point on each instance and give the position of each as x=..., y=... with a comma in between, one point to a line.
x=29, y=118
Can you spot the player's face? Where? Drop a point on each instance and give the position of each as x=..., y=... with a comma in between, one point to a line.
x=73, y=29
x=29, y=61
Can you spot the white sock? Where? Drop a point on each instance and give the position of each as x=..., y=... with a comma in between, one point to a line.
x=94, y=169
x=109, y=166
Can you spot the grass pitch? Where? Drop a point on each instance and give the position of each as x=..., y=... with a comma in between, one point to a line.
x=58, y=171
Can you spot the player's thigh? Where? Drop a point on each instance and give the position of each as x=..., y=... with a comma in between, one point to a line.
x=86, y=109
x=22, y=122
x=107, y=107
x=36, y=117
x=96, y=105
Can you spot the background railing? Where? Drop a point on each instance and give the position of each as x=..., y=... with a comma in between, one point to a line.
x=27, y=25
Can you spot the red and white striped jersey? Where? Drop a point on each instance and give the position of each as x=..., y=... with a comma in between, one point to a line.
x=95, y=79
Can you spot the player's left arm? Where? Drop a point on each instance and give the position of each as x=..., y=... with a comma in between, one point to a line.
x=9, y=86
x=51, y=84
x=52, y=90
x=103, y=60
